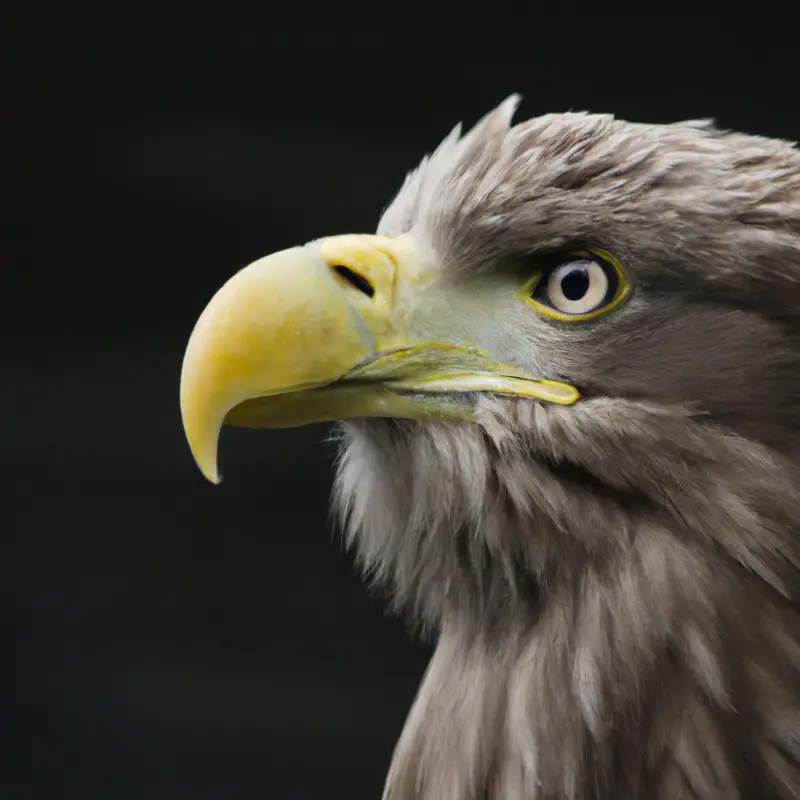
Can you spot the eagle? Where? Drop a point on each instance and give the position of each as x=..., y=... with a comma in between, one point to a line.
x=565, y=376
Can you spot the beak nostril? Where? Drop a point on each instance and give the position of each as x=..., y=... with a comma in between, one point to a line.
x=354, y=279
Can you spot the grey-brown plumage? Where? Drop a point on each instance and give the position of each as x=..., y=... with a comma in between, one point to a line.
x=613, y=584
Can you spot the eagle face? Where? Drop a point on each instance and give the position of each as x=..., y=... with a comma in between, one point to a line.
x=565, y=372
x=673, y=243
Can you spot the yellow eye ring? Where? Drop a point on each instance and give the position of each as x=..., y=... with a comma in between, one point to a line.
x=607, y=267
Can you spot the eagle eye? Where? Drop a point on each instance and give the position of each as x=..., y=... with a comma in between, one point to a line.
x=578, y=287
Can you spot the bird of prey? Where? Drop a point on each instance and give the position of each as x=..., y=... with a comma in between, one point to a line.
x=566, y=371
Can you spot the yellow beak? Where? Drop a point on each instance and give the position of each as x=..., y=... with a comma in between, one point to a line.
x=329, y=331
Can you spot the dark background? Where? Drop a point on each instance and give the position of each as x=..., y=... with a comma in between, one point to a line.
x=170, y=638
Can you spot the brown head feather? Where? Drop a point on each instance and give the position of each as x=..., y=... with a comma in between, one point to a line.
x=614, y=584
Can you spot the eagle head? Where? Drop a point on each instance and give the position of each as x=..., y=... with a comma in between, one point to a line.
x=565, y=371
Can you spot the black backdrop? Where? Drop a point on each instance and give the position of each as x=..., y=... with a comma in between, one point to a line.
x=170, y=638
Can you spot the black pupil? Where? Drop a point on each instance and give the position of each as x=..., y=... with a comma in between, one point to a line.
x=575, y=283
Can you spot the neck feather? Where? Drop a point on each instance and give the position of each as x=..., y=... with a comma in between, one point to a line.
x=613, y=611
